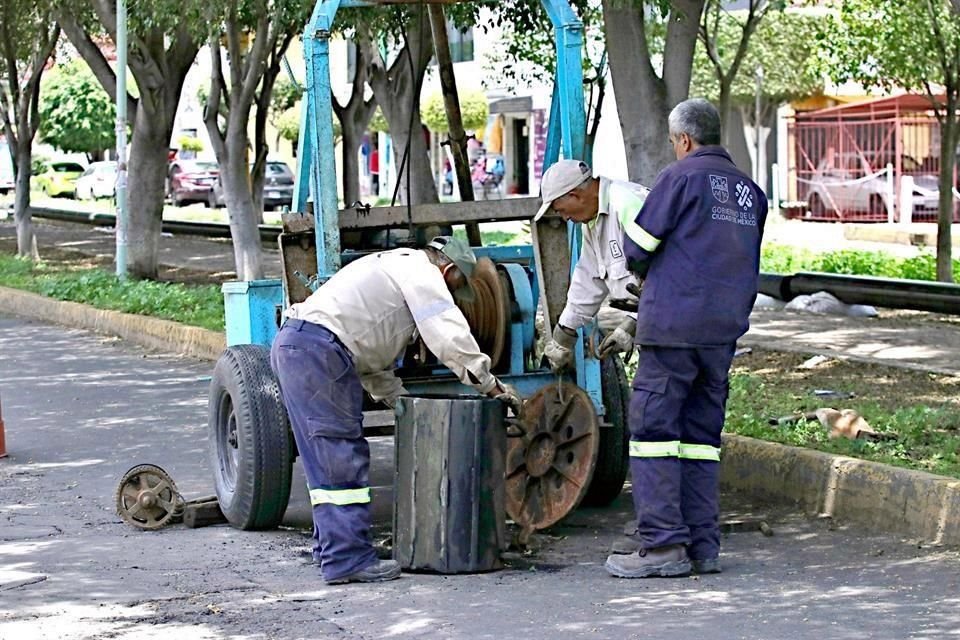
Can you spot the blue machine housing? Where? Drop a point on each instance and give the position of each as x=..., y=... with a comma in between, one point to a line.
x=247, y=306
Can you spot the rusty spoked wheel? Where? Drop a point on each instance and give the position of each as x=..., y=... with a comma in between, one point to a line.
x=549, y=467
x=489, y=314
x=147, y=498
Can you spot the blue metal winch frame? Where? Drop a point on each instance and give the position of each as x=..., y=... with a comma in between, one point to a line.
x=251, y=307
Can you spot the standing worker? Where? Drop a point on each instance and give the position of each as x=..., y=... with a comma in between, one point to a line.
x=346, y=337
x=602, y=206
x=696, y=243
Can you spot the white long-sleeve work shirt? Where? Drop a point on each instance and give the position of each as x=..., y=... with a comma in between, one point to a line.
x=376, y=304
x=602, y=270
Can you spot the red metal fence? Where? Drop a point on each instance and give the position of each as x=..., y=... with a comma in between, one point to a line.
x=871, y=161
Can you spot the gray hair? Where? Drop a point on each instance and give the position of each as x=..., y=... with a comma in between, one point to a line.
x=698, y=119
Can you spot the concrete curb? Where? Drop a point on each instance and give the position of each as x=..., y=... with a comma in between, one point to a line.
x=881, y=497
x=152, y=333
x=917, y=234
x=878, y=496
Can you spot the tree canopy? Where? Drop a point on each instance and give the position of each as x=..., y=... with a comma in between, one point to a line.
x=782, y=36
x=76, y=114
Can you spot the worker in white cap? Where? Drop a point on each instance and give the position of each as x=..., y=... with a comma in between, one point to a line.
x=604, y=207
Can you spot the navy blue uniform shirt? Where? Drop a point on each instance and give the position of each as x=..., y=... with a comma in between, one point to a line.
x=698, y=239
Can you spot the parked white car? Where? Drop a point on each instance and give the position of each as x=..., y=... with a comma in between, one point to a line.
x=857, y=182
x=98, y=181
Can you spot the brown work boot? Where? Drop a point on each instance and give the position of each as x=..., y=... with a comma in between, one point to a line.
x=379, y=571
x=707, y=565
x=627, y=544
x=665, y=562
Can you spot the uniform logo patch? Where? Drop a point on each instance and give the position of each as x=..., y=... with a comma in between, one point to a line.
x=615, y=249
x=718, y=184
x=744, y=195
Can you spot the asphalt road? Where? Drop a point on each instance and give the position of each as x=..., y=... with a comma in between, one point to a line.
x=81, y=409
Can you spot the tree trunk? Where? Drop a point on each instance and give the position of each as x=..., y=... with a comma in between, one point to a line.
x=398, y=92
x=350, y=141
x=948, y=144
x=26, y=239
x=644, y=100
x=234, y=174
x=147, y=168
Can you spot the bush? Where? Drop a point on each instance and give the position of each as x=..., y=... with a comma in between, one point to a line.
x=786, y=260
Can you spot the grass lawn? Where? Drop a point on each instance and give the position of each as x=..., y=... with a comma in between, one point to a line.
x=920, y=410
x=200, y=305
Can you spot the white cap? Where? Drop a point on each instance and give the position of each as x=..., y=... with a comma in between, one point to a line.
x=561, y=178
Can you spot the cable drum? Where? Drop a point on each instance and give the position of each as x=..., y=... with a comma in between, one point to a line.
x=489, y=314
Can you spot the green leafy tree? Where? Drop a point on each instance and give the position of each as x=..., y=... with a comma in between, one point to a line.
x=28, y=35
x=164, y=37
x=725, y=39
x=783, y=35
x=473, y=109
x=910, y=44
x=76, y=114
x=247, y=41
x=528, y=53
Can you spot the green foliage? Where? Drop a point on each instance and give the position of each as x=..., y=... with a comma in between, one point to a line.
x=288, y=125
x=891, y=43
x=473, y=110
x=527, y=54
x=378, y=123
x=782, y=36
x=76, y=114
x=190, y=143
x=782, y=259
x=285, y=95
x=198, y=305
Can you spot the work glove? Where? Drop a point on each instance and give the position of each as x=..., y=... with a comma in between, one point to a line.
x=509, y=396
x=628, y=304
x=559, y=349
x=620, y=340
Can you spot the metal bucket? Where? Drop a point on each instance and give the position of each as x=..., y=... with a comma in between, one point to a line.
x=448, y=508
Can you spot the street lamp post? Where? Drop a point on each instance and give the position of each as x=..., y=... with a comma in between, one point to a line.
x=121, y=187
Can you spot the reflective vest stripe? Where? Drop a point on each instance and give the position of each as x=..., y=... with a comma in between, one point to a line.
x=699, y=452
x=638, y=234
x=655, y=449
x=339, y=497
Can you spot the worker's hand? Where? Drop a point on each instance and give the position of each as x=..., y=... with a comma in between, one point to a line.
x=620, y=340
x=559, y=350
x=508, y=395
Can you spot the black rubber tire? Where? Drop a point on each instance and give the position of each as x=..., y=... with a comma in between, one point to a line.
x=252, y=476
x=612, y=455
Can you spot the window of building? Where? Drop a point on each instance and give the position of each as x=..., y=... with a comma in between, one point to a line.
x=461, y=43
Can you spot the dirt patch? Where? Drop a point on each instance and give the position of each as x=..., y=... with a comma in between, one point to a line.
x=73, y=259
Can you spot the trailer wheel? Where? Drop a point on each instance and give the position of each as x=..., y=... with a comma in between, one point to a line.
x=250, y=443
x=612, y=459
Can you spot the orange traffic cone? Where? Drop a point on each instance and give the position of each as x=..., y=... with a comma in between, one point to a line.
x=3, y=441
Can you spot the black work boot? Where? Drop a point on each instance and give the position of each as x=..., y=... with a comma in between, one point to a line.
x=379, y=571
x=664, y=562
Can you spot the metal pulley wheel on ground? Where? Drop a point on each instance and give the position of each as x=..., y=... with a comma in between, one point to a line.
x=549, y=467
x=251, y=446
x=489, y=313
x=147, y=498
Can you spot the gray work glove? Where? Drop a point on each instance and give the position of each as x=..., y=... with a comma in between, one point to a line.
x=559, y=349
x=509, y=396
x=620, y=340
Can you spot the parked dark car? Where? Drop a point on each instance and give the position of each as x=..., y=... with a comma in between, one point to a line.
x=191, y=181
x=277, y=188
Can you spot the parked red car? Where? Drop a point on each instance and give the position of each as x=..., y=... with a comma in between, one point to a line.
x=191, y=181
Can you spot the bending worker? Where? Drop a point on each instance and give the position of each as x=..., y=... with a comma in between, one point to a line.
x=696, y=243
x=345, y=338
x=601, y=205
